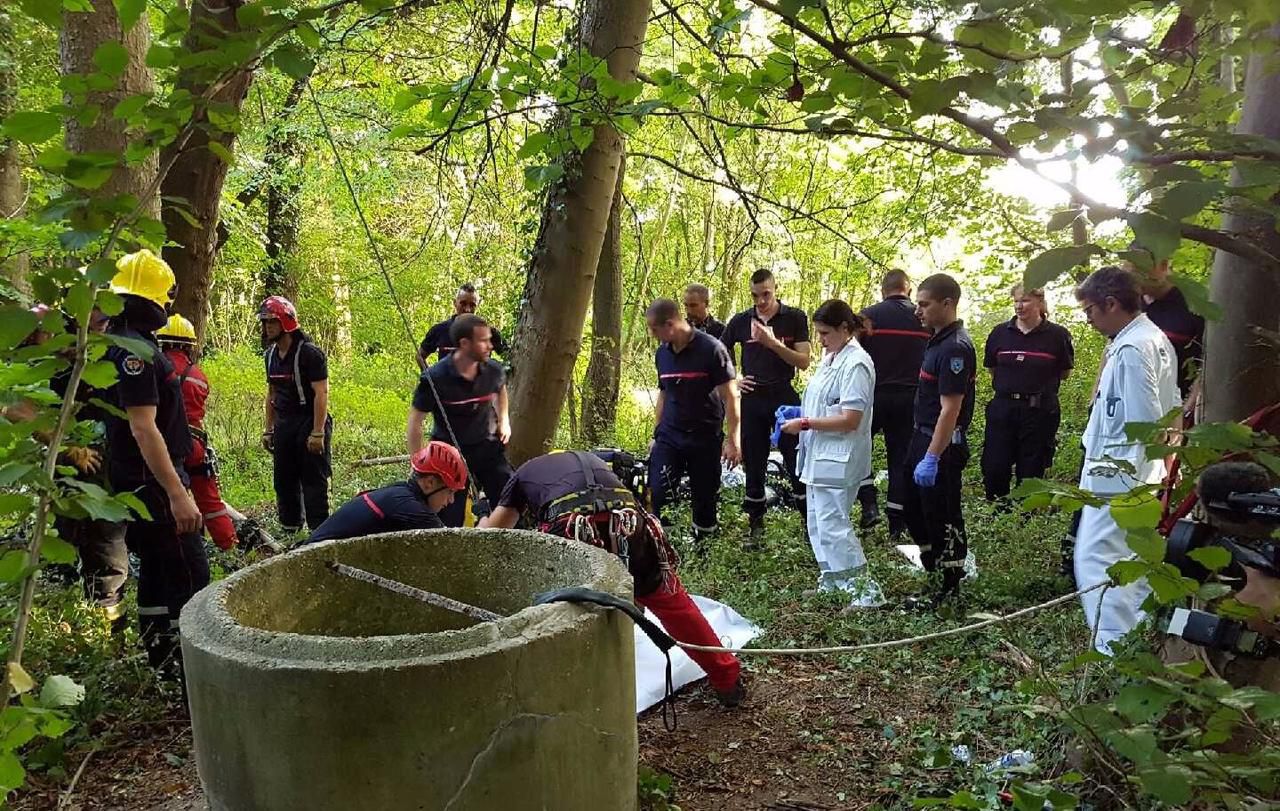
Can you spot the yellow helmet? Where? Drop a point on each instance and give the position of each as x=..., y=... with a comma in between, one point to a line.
x=143, y=274
x=178, y=330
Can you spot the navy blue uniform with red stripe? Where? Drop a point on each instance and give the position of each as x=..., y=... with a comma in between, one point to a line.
x=895, y=343
x=471, y=409
x=301, y=478
x=933, y=514
x=1023, y=415
x=690, y=433
x=1183, y=328
x=437, y=340
x=398, y=506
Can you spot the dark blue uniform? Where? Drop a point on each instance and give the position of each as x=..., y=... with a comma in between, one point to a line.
x=688, y=438
x=773, y=377
x=1023, y=415
x=172, y=566
x=301, y=478
x=396, y=507
x=711, y=326
x=933, y=514
x=437, y=340
x=1184, y=329
x=471, y=407
x=896, y=344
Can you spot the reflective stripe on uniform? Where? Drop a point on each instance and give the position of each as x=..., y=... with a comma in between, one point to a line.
x=217, y=514
x=376, y=509
x=153, y=610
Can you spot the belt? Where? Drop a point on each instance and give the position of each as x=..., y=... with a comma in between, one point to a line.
x=1033, y=400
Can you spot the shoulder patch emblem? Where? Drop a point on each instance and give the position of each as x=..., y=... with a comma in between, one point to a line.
x=133, y=365
x=957, y=365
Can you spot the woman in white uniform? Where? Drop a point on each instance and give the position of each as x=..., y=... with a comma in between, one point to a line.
x=835, y=451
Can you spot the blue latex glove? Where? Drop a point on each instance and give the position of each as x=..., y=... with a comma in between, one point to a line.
x=926, y=473
x=784, y=413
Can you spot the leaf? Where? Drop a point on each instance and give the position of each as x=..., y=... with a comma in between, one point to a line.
x=100, y=374
x=1023, y=132
x=32, y=126
x=56, y=550
x=1196, y=293
x=111, y=58
x=219, y=149
x=135, y=346
x=129, y=11
x=160, y=57
x=1185, y=199
x=582, y=137
x=13, y=565
x=61, y=691
x=1138, y=745
x=131, y=106
x=1054, y=262
x=46, y=12
x=1146, y=543
x=533, y=145
x=308, y=35
x=1062, y=219
x=1168, y=784
x=1124, y=572
x=929, y=96
x=1264, y=703
x=16, y=323
x=292, y=62
x=1157, y=234
x=1143, y=702
x=12, y=775
x=1139, y=510
x=19, y=679
x=1213, y=558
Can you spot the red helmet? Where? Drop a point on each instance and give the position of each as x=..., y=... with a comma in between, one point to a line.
x=443, y=460
x=279, y=308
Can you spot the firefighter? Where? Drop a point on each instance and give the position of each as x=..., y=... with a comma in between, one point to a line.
x=466, y=395
x=299, y=430
x=1167, y=308
x=438, y=338
x=1028, y=357
x=1139, y=383
x=147, y=449
x=939, y=447
x=575, y=495
x=895, y=340
x=436, y=473
x=835, y=451
x=775, y=342
x=697, y=396
x=178, y=342
x=697, y=310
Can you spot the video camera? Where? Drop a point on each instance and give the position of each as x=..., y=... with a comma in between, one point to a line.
x=1242, y=512
x=633, y=472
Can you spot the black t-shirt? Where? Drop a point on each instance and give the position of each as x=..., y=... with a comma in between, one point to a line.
x=437, y=340
x=470, y=405
x=1030, y=362
x=790, y=325
x=895, y=343
x=688, y=379
x=950, y=366
x=711, y=326
x=143, y=381
x=290, y=377
x=398, y=506
x=1184, y=329
x=543, y=479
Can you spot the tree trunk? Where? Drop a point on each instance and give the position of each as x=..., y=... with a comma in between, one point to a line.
x=561, y=275
x=198, y=174
x=1242, y=368
x=82, y=33
x=284, y=158
x=12, y=192
x=604, y=373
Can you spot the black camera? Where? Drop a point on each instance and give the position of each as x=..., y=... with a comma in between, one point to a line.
x=633, y=472
x=1242, y=517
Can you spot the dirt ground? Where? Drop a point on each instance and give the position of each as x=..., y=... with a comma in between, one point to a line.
x=809, y=737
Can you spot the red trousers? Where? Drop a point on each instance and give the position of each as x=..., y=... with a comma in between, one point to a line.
x=204, y=489
x=682, y=619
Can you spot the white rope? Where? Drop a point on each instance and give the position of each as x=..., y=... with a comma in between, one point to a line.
x=894, y=643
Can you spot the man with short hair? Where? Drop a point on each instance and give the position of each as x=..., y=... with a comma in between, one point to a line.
x=939, y=447
x=697, y=310
x=697, y=396
x=1139, y=383
x=895, y=341
x=438, y=339
x=1167, y=308
x=775, y=343
x=466, y=394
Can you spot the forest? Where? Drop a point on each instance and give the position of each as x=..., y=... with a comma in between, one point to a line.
x=575, y=160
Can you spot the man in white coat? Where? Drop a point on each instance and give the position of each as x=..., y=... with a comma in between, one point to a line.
x=1139, y=383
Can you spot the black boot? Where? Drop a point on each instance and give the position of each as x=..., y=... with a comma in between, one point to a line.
x=755, y=535
x=870, y=515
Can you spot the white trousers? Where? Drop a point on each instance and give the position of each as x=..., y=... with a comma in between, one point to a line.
x=1110, y=612
x=835, y=544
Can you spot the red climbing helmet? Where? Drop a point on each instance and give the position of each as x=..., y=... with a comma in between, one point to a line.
x=443, y=460
x=279, y=308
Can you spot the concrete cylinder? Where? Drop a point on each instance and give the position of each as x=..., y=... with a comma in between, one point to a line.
x=310, y=690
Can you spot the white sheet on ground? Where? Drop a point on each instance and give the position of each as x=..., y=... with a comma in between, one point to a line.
x=733, y=629
x=911, y=552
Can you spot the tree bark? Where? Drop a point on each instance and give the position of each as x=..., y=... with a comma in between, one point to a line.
x=284, y=157
x=83, y=32
x=1242, y=367
x=198, y=174
x=12, y=191
x=604, y=372
x=562, y=273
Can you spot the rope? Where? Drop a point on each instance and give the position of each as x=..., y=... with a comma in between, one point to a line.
x=894, y=643
x=472, y=491
x=430, y=597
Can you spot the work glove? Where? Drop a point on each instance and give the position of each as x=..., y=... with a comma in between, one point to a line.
x=480, y=508
x=268, y=441
x=86, y=460
x=784, y=413
x=926, y=473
